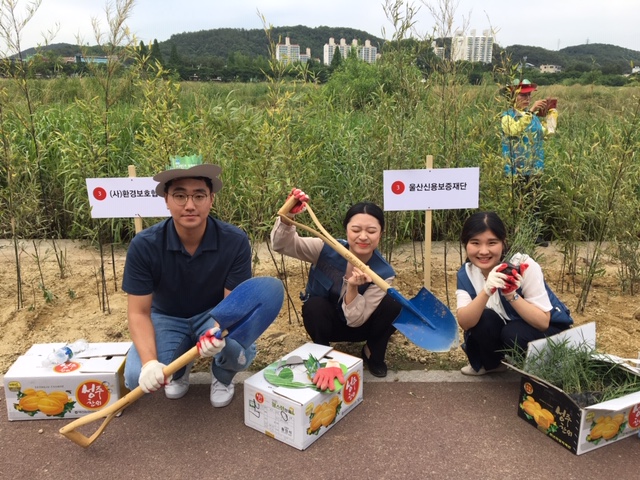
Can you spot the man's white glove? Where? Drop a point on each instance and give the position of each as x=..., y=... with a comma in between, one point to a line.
x=495, y=280
x=209, y=345
x=152, y=377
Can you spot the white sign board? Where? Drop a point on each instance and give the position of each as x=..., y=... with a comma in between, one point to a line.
x=125, y=198
x=431, y=189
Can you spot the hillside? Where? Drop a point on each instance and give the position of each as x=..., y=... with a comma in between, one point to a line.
x=593, y=54
x=222, y=42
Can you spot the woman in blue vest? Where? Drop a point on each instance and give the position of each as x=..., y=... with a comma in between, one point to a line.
x=341, y=303
x=501, y=308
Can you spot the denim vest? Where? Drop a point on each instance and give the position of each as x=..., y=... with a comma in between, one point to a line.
x=325, y=277
x=559, y=311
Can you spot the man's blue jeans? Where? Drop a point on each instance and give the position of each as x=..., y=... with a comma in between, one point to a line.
x=175, y=336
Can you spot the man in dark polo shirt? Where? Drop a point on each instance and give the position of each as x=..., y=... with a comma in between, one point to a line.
x=175, y=272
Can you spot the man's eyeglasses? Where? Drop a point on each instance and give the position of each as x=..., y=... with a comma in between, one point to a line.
x=182, y=198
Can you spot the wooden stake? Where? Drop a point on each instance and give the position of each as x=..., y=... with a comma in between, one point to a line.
x=137, y=220
x=427, y=238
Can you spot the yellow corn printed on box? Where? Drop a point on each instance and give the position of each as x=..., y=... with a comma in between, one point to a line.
x=556, y=414
x=282, y=402
x=91, y=380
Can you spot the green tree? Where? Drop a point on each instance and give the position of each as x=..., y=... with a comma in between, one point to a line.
x=336, y=61
x=143, y=50
x=155, y=54
x=174, y=58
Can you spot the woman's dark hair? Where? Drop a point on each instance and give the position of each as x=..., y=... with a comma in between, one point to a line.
x=365, y=207
x=479, y=223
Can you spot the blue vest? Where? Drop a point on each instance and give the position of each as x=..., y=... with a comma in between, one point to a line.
x=559, y=311
x=325, y=277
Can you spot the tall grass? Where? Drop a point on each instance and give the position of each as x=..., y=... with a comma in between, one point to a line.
x=334, y=141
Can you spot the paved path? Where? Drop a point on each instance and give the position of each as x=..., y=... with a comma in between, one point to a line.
x=415, y=425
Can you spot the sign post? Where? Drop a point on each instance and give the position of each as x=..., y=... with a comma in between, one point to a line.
x=427, y=237
x=137, y=220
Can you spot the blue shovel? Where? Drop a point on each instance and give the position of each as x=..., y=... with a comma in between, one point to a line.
x=424, y=319
x=243, y=315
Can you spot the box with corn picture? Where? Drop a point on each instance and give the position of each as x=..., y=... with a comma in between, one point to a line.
x=579, y=398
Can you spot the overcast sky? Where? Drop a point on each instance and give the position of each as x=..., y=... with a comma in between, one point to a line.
x=550, y=24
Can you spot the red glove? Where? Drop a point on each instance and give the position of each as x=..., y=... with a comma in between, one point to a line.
x=512, y=283
x=324, y=378
x=302, y=198
x=513, y=278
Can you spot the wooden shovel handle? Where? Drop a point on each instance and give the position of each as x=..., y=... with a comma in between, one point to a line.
x=332, y=242
x=112, y=410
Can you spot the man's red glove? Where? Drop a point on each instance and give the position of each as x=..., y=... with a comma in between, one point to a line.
x=302, y=198
x=325, y=378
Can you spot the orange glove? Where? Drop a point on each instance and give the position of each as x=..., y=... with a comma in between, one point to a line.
x=325, y=378
x=302, y=198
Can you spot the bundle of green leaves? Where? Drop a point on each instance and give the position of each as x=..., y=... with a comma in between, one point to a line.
x=577, y=371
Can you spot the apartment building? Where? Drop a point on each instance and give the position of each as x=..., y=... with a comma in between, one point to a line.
x=305, y=57
x=472, y=48
x=367, y=52
x=287, y=52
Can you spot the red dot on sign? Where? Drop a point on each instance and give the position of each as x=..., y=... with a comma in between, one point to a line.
x=99, y=193
x=397, y=187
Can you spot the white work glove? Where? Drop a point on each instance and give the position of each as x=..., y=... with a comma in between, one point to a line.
x=495, y=280
x=152, y=377
x=209, y=345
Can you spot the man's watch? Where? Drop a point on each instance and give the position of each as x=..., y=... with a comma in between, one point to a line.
x=514, y=298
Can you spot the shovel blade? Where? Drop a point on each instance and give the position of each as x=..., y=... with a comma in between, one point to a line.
x=249, y=309
x=426, y=321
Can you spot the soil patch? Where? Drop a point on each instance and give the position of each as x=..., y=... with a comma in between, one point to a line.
x=81, y=305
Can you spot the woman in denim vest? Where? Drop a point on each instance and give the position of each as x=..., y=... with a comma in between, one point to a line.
x=501, y=308
x=341, y=303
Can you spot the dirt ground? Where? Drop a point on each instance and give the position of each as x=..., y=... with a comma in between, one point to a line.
x=80, y=306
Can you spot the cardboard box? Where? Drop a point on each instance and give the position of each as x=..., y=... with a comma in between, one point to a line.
x=299, y=416
x=88, y=382
x=559, y=417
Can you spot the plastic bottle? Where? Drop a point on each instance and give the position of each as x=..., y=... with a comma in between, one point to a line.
x=63, y=354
